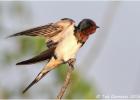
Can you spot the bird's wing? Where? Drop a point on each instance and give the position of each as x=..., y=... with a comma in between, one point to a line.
x=45, y=55
x=49, y=30
x=46, y=31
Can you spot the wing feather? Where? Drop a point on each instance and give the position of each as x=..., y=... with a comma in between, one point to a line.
x=45, y=55
x=52, y=32
x=46, y=31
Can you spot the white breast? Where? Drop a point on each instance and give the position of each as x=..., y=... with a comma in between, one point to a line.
x=68, y=47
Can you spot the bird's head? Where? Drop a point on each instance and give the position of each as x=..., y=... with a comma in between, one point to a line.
x=87, y=26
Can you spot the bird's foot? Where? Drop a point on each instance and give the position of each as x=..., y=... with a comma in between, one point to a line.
x=71, y=62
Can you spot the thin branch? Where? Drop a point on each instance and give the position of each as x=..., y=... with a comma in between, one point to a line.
x=66, y=82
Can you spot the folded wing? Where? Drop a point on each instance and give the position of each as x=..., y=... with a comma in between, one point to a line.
x=45, y=55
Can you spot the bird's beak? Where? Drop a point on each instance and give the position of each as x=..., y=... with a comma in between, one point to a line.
x=97, y=27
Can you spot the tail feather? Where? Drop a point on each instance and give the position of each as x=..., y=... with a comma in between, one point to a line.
x=39, y=77
x=33, y=82
x=47, y=54
x=53, y=63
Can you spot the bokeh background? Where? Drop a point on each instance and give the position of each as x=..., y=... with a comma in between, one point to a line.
x=108, y=64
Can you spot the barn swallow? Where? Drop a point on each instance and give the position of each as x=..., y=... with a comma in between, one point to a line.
x=63, y=39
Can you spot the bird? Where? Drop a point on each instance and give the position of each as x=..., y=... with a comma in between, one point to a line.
x=63, y=40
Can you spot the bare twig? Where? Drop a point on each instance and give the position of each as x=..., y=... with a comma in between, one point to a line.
x=66, y=82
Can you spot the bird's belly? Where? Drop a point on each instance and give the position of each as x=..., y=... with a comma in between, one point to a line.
x=67, y=49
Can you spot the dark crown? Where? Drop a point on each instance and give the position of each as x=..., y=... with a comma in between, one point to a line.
x=85, y=24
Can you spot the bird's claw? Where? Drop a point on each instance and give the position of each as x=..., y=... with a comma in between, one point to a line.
x=71, y=62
